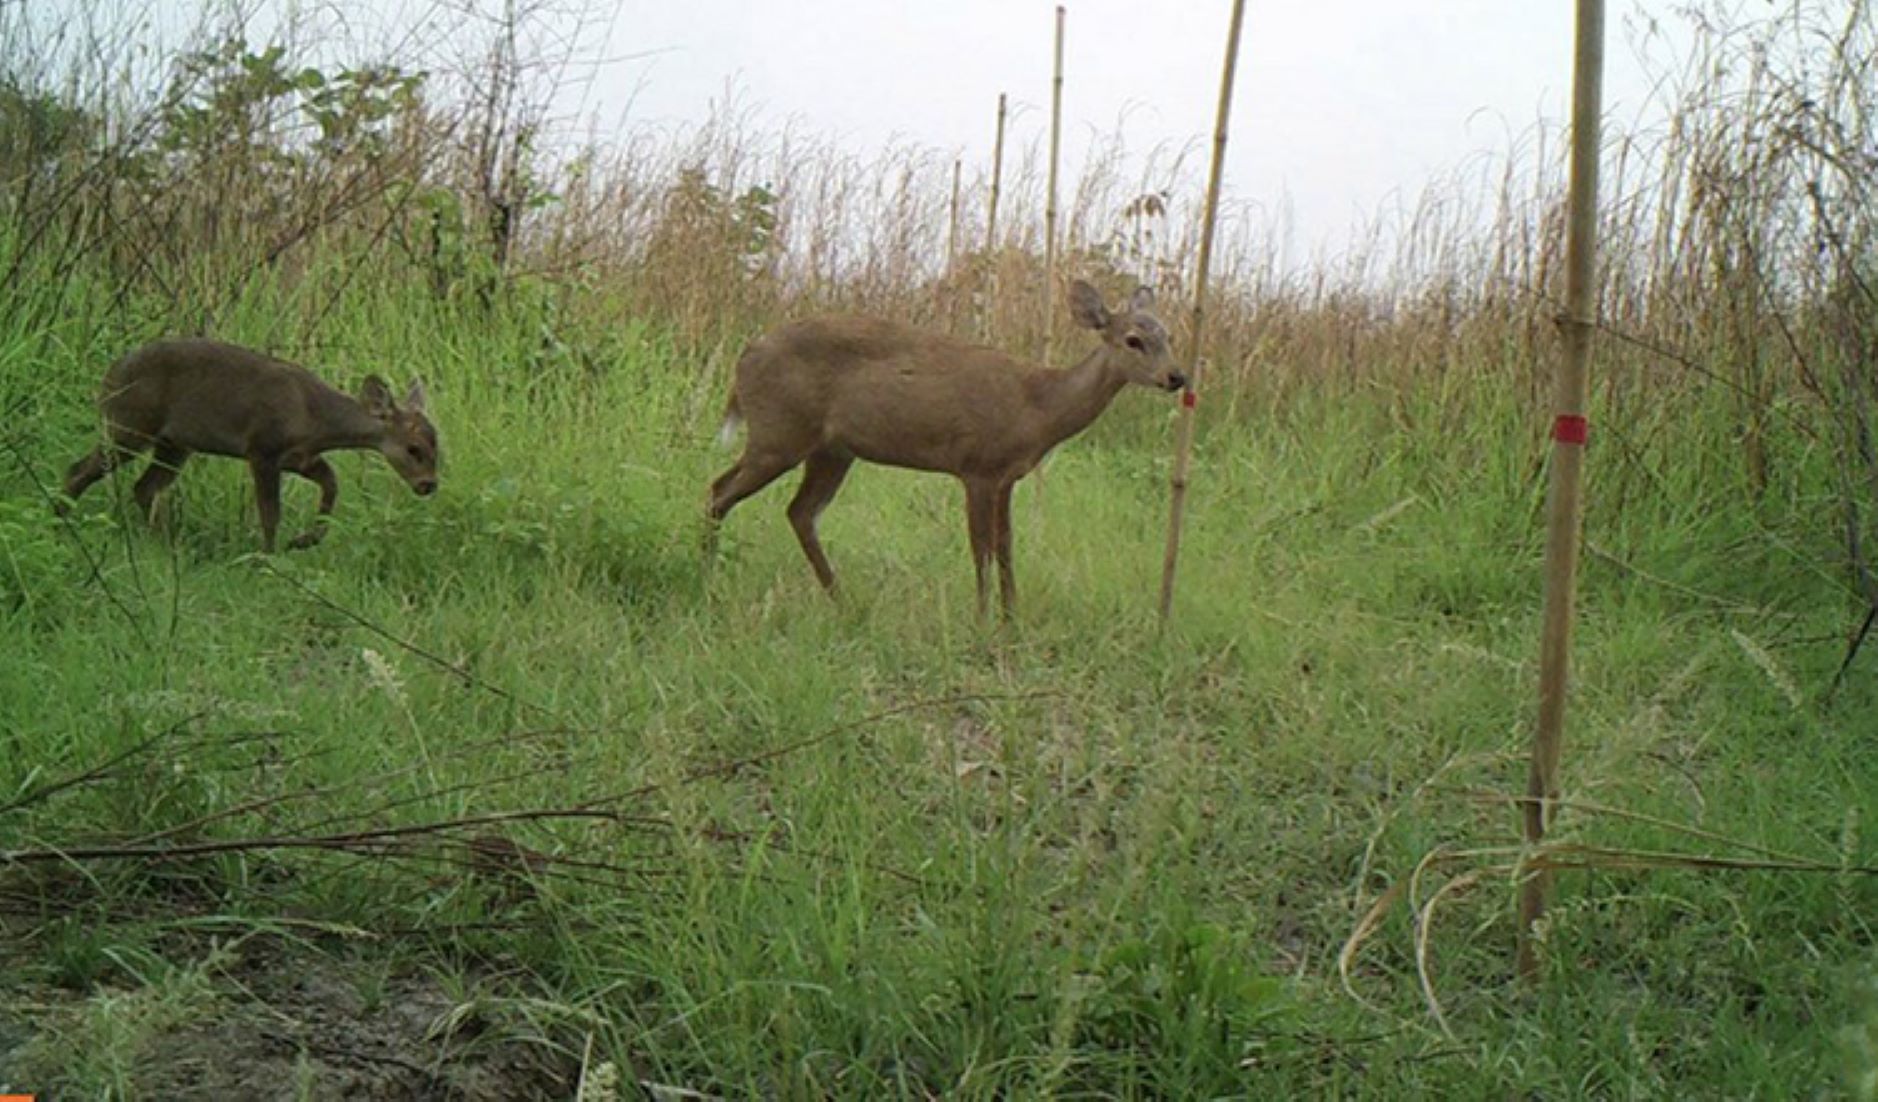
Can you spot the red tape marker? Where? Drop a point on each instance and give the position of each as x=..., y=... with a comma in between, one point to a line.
x=1189, y=399
x=1571, y=428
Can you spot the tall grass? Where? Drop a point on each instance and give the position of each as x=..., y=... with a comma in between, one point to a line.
x=872, y=848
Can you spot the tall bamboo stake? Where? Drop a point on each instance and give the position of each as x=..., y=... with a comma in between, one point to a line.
x=952, y=222
x=989, y=294
x=1568, y=439
x=1189, y=398
x=1049, y=206
x=1038, y=481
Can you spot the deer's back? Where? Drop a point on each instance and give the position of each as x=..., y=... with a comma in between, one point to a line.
x=207, y=396
x=885, y=392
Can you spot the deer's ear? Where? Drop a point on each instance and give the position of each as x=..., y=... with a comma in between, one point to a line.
x=414, y=398
x=375, y=396
x=1142, y=299
x=1085, y=306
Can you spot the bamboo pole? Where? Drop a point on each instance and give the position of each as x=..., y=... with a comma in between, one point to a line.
x=1049, y=206
x=952, y=222
x=1568, y=439
x=989, y=293
x=1038, y=481
x=1189, y=398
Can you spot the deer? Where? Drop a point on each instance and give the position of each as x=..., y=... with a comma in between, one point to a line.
x=174, y=398
x=823, y=392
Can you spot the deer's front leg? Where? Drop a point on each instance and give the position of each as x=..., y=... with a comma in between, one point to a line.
x=979, y=498
x=266, y=471
x=320, y=473
x=1001, y=546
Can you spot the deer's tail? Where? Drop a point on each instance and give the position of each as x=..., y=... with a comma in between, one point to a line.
x=733, y=419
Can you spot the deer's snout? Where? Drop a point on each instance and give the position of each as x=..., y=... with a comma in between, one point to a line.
x=425, y=486
x=1175, y=381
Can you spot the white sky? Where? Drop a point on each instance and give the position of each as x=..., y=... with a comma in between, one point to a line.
x=1342, y=106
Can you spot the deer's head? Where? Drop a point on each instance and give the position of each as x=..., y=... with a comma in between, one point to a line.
x=410, y=441
x=1136, y=339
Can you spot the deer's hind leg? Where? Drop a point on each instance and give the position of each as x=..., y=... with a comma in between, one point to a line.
x=745, y=477
x=820, y=481
x=165, y=465
x=80, y=476
x=122, y=447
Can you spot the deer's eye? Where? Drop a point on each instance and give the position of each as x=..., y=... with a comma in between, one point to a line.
x=1136, y=343
x=414, y=452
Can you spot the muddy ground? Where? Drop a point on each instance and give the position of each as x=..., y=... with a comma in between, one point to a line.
x=294, y=1023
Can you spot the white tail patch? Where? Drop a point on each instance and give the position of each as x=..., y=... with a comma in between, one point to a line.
x=727, y=432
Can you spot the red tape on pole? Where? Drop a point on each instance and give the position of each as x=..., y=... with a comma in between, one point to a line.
x=1571, y=428
x=1189, y=399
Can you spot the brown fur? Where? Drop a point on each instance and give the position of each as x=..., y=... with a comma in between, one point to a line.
x=827, y=391
x=176, y=398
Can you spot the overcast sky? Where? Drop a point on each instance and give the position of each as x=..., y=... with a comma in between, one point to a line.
x=1342, y=106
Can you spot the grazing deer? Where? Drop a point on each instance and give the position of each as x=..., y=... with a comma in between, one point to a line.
x=827, y=391
x=175, y=398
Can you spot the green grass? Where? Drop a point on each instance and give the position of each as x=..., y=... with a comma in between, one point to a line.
x=1080, y=857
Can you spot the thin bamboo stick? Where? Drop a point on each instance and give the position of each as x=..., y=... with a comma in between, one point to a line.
x=1038, y=480
x=1049, y=207
x=952, y=222
x=1568, y=438
x=1189, y=398
x=989, y=294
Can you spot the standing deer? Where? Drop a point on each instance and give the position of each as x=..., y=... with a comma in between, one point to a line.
x=179, y=397
x=828, y=391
